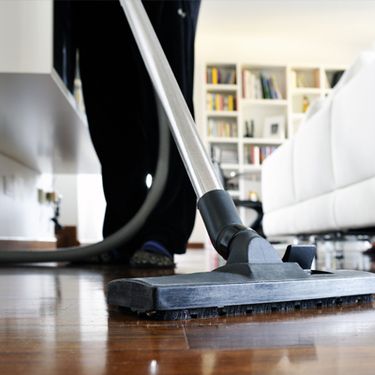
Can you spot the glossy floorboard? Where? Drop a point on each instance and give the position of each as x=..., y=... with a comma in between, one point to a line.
x=54, y=320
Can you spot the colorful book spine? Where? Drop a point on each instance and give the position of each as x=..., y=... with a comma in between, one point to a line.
x=215, y=76
x=221, y=102
x=221, y=75
x=230, y=103
x=255, y=155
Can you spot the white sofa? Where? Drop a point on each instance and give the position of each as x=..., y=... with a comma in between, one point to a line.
x=323, y=179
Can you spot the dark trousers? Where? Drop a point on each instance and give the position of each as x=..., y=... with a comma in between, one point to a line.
x=122, y=115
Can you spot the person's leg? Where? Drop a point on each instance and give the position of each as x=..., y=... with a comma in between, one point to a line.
x=171, y=223
x=114, y=105
x=118, y=121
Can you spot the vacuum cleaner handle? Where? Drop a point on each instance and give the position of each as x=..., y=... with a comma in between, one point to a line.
x=194, y=156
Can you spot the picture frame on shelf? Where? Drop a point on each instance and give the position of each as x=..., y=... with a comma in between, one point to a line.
x=274, y=127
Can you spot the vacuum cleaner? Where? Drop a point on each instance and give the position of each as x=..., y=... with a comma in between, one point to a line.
x=255, y=279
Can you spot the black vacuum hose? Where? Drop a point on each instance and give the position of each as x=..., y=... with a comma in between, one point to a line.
x=118, y=238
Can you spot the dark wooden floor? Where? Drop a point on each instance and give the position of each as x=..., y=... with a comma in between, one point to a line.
x=55, y=320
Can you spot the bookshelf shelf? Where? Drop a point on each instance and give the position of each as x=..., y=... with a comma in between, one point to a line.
x=221, y=87
x=223, y=140
x=263, y=94
x=265, y=102
x=306, y=91
x=222, y=113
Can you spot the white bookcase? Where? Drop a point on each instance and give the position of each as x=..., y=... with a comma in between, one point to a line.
x=246, y=120
x=309, y=82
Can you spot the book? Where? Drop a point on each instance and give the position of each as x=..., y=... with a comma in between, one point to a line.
x=266, y=91
x=232, y=77
x=230, y=103
x=258, y=88
x=276, y=88
x=222, y=128
x=316, y=78
x=256, y=160
x=220, y=75
x=215, y=76
x=210, y=102
x=246, y=84
x=209, y=75
x=217, y=102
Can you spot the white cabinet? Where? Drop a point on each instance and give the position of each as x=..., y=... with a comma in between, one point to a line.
x=40, y=124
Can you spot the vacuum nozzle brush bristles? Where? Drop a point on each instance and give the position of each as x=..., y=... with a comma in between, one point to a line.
x=261, y=308
x=239, y=290
x=254, y=280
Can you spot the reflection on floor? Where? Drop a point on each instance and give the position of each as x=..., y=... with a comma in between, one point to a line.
x=55, y=320
x=348, y=254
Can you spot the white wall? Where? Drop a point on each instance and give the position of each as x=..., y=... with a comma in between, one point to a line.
x=91, y=208
x=66, y=186
x=82, y=204
x=21, y=215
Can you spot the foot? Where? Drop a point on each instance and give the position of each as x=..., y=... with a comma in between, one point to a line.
x=152, y=255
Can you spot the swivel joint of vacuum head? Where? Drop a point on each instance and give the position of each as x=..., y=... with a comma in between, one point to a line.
x=222, y=221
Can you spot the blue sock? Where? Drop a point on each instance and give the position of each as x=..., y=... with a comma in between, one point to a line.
x=157, y=248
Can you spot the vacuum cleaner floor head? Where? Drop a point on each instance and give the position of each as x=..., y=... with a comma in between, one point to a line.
x=240, y=289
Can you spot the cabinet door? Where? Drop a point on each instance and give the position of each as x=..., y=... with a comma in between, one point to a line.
x=26, y=36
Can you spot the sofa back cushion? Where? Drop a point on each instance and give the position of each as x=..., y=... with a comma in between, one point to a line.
x=353, y=129
x=277, y=178
x=312, y=161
